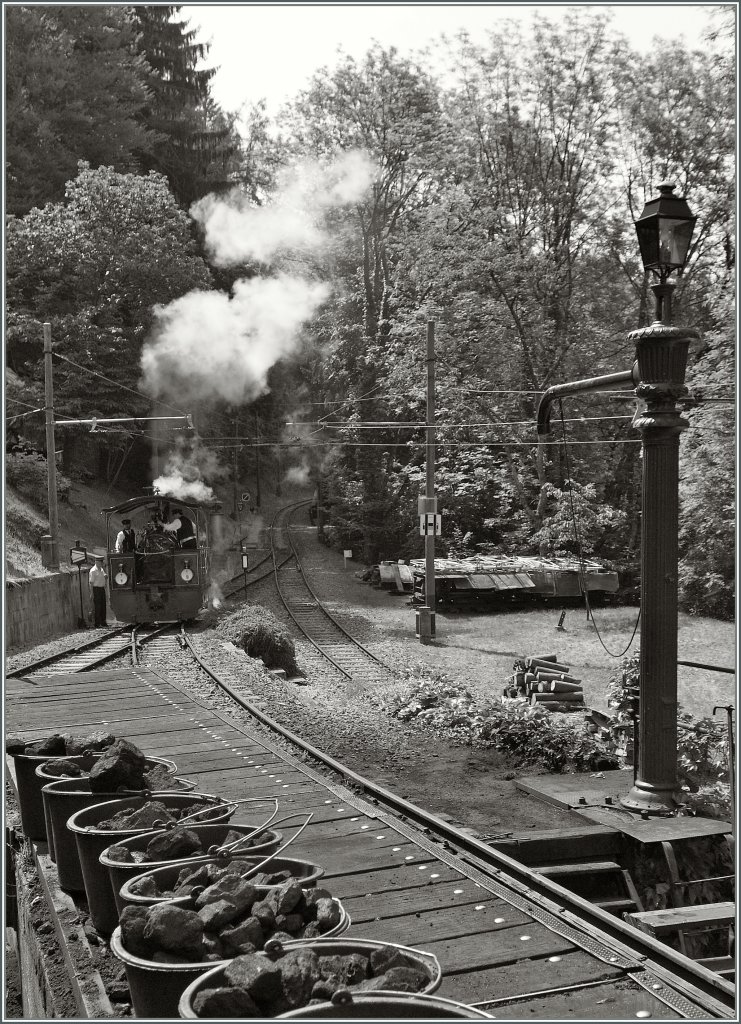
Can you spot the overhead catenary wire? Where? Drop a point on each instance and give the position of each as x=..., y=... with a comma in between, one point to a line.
x=209, y=442
x=399, y=425
x=95, y=373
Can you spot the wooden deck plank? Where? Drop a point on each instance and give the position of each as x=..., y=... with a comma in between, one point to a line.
x=166, y=719
x=422, y=901
x=499, y=945
x=448, y=922
x=85, y=709
x=662, y=922
x=405, y=877
x=613, y=1000
x=342, y=857
x=195, y=756
x=577, y=968
x=254, y=774
x=81, y=693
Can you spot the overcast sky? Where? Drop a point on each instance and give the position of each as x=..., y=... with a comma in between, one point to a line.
x=271, y=50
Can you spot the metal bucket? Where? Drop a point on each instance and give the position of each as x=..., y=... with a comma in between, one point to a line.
x=387, y=1006
x=92, y=841
x=48, y=780
x=156, y=989
x=29, y=791
x=340, y=947
x=209, y=835
x=165, y=876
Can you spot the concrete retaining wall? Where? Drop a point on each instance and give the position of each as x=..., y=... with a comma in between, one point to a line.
x=39, y=609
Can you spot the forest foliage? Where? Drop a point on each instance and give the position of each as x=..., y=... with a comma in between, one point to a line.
x=506, y=173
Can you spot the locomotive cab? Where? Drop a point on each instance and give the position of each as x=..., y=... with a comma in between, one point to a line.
x=161, y=573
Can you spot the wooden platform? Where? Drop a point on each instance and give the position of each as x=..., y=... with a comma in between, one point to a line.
x=494, y=941
x=586, y=795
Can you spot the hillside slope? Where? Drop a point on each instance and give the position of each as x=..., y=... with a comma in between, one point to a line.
x=79, y=519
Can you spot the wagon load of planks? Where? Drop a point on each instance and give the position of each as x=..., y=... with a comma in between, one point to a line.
x=545, y=682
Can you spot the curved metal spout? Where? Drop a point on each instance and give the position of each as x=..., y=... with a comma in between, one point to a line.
x=609, y=382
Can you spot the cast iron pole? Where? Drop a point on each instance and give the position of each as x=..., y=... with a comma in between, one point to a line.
x=51, y=555
x=428, y=504
x=661, y=351
x=430, y=468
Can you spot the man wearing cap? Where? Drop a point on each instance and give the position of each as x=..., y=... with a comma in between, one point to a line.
x=97, y=580
x=183, y=529
x=126, y=539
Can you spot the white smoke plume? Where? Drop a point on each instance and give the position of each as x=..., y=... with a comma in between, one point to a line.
x=207, y=345
x=214, y=595
x=300, y=476
x=236, y=231
x=183, y=474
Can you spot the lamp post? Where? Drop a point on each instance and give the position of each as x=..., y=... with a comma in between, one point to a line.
x=664, y=232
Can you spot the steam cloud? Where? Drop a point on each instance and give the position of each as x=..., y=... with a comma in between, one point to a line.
x=207, y=345
x=183, y=473
x=298, y=475
x=236, y=231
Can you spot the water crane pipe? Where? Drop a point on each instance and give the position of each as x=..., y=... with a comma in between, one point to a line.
x=608, y=382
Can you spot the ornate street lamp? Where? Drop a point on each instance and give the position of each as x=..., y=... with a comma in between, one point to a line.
x=664, y=233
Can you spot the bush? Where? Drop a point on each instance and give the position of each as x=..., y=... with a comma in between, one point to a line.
x=26, y=472
x=261, y=635
x=702, y=744
x=535, y=738
x=529, y=734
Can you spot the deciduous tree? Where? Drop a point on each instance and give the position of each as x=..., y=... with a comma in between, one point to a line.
x=75, y=88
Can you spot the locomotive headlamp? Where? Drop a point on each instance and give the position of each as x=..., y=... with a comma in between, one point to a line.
x=186, y=573
x=664, y=232
x=121, y=578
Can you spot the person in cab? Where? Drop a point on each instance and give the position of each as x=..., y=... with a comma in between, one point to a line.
x=182, y=528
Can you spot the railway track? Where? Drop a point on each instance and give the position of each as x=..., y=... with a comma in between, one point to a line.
x=643, y=962
x=350, y=657
x=264, y=567
x=294, y=764
x=491, y=868
x=93, y=654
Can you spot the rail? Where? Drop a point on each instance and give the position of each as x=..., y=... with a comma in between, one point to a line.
x=571, y=909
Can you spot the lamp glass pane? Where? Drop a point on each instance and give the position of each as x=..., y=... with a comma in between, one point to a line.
x=648, y=242
x=675, y=236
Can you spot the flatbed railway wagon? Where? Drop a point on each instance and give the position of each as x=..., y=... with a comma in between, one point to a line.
x=511, y=577
x=160, y=580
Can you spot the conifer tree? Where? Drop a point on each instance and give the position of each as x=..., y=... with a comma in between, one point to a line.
x=195, y=137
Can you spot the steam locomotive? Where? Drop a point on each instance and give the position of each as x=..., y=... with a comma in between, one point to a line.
x=160, y=580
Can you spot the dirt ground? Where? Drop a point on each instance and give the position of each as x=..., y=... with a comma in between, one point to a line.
x=477, y=649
